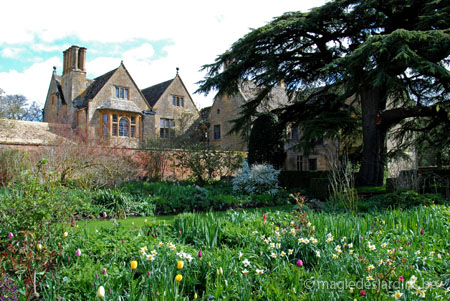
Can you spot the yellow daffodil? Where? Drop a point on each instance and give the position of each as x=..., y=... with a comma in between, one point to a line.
x=180, y=264
x=133, y=265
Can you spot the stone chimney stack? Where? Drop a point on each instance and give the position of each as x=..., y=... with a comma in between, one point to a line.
x=74, y=59
x=82, y=59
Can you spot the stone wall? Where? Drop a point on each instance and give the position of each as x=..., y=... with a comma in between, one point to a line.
x=164, y=107
x=224, y=110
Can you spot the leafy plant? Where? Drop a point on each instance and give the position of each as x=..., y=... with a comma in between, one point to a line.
x=260, y=178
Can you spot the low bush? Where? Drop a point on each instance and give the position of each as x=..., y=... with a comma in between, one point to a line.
x=121, y=203
x=402, y=199
x=299, y=178
x=319, y=188
x=259, y=178
x=176, y=197
x=12, y=164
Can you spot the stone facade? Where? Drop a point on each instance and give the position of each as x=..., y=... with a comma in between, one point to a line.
x=226, y=108
x=112, y=106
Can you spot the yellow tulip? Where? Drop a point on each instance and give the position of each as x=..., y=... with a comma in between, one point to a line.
x=179, y=278
x=133, y=265
x=101, y=292
x=39, y=246
x=180, y=264
x=195, y=296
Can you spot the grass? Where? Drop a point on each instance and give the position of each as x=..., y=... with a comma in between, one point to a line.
x=138, y=222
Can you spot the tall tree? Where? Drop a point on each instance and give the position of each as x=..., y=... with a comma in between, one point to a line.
x=266, y=141
x=17, y=107
x=390, y=58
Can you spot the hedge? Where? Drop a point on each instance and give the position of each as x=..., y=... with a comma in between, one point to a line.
x=299, y=179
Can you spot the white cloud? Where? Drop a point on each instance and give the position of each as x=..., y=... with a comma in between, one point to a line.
x=32, y=82
x=49, y=48
x=142, y=53
x=198, y=29
x=11, y=53
x=101, y=65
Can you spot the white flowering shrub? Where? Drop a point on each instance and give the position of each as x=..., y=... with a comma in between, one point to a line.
x=260, y=178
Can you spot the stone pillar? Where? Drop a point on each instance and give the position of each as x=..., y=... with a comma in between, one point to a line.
x=65, y=62
x=74, y=61
x=82, y=59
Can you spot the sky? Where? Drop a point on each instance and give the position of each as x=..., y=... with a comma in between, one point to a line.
x=152, y=38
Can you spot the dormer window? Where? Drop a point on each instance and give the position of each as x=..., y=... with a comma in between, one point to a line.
x=122, y=93
x=178, y=101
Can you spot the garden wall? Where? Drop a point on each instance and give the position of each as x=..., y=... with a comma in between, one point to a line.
x=147, y=164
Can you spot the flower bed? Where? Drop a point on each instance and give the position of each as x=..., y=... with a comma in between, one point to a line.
x=284, y=255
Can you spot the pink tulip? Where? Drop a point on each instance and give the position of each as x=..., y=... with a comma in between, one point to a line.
x=299, y=263
x=264, y=219
x=362, y=292
x=421, y=231
x=148, y=273
x=78, y=253
x=10, y=235
x=123, y=241
x=104, y=271
x=401, y=279
x=200, y=254
x=104, y=214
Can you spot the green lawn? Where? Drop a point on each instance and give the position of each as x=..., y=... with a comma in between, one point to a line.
x=137, y=222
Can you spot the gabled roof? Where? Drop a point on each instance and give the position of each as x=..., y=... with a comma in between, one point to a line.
x=120, y=105
x=153, y=93
x=60, y=91
x=204, y=113
x=98, y=84
x=276, y=98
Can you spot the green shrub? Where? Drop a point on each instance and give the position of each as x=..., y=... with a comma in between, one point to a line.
x=403, y=199
x=259, y=178
x=121, y=203
x=299, y=179
x=319, y=188
x=12, y=164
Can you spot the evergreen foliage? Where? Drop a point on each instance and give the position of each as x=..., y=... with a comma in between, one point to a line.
x=348, y=65
x=266, y=143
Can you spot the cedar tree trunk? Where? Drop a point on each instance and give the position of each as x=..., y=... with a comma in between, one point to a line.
x=373, y=163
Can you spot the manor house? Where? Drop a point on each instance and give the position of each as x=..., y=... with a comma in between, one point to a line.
x=112, y=106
